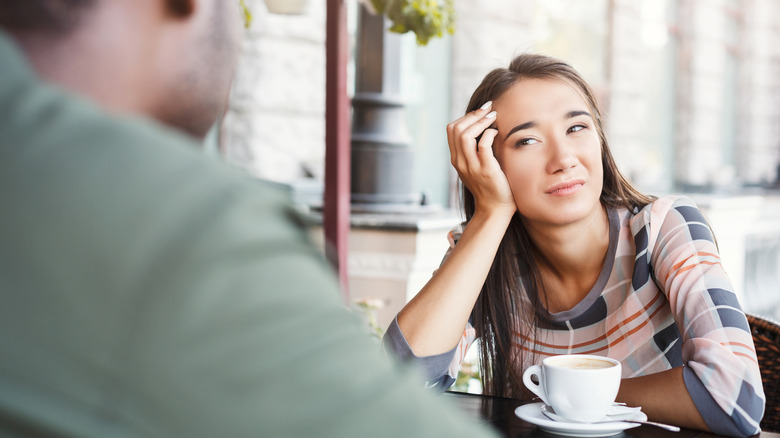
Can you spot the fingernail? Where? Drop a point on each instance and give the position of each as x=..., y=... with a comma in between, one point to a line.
x=490, y=115
x=487, y=104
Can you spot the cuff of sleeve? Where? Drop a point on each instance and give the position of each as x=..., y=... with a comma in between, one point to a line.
x=435, y=367
x=716, y=419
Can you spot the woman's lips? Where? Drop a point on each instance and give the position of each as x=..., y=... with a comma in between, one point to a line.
x=566, y=188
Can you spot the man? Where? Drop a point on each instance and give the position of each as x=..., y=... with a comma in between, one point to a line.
x=146, y=290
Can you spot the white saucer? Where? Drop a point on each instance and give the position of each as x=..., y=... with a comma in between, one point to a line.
x=532, y=413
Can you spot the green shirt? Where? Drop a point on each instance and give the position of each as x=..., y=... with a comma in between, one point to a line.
x=148, y=290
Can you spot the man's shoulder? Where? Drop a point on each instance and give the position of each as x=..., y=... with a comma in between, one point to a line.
x=125, y=178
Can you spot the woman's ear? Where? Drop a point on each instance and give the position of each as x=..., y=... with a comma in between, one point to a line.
x=180, y=8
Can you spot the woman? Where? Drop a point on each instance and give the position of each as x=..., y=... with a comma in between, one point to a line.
x=560, y=254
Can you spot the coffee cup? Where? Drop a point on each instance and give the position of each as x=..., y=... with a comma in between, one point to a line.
x=579, y=387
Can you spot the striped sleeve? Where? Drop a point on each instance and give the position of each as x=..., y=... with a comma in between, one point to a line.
x=440, y=370
x=722, y=373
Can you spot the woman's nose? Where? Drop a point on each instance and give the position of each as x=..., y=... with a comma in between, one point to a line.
x=562, y=156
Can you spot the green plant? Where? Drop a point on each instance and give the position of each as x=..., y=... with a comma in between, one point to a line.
x=247, y=14
x=468, y=378
x=426, y=18
x=369, y=307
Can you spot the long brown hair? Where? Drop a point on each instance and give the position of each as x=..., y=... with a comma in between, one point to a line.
x=498, y=311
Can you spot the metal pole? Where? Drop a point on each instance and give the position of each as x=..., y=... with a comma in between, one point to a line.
x=336, y=208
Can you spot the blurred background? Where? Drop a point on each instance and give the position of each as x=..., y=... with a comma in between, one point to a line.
x=690, y=90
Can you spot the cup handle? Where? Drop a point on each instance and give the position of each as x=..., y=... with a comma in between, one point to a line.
x=538, y=389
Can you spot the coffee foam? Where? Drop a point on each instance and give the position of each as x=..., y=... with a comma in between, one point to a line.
x=581, y=363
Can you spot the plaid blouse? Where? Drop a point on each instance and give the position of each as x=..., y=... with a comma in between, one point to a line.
x=662, y=300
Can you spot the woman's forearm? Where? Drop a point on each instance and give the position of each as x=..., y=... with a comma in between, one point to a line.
x=433, y=321
x=663, y=397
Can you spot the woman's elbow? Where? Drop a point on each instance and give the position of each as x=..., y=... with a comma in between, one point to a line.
x=744, y=420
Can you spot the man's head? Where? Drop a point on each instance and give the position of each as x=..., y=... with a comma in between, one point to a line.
x=169, y=59
x=46, y=16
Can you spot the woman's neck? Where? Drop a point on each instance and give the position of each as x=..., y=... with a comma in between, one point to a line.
x=570, y=257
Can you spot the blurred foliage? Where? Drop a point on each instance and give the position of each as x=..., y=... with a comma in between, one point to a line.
x=468, y=378
x=247, y=14
x=426, y=18
x=369, y=307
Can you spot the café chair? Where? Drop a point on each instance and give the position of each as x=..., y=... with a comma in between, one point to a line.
x=766, y=337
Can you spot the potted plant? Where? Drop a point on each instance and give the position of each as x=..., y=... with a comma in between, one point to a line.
x=426, y=18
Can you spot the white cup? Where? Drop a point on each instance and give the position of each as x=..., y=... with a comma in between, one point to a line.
x=579, y=387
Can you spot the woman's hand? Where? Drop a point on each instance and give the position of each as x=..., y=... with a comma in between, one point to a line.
x=476, y=166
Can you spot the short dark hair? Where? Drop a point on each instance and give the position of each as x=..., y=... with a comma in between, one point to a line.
x=54, y=17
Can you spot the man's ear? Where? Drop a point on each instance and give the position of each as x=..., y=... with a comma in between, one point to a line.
x=180, y=8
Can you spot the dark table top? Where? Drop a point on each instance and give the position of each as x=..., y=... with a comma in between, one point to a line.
x=500, y=413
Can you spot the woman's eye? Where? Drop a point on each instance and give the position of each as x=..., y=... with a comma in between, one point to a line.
x=576, y=128
x=527, y=141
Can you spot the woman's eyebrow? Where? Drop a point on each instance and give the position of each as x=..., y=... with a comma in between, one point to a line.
x=532, y=123
x=572, y=114
x=526, y=125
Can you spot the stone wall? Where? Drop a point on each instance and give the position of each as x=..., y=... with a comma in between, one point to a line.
x=489, y=33
x=727, y=75
x=635, y=77
x=704, y=58
x=758, y=115
x=275, y=125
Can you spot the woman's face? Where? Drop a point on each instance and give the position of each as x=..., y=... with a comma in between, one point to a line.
x=549, y=149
